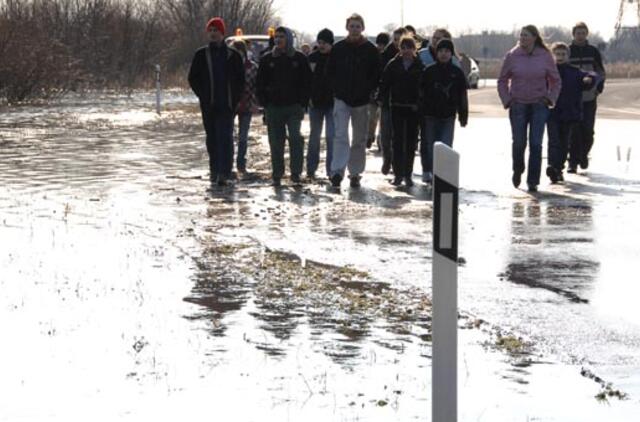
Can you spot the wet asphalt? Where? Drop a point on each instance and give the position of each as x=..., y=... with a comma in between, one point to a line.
x=133, y=289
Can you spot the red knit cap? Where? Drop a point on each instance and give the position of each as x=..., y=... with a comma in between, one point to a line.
x=217, y=22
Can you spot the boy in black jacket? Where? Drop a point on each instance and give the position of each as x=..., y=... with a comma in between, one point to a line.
x=444, y=94
x=321, y=104
x=567, y=113
x=216, y=77
x=284, y=80
x=354, y=69
x=399, y=89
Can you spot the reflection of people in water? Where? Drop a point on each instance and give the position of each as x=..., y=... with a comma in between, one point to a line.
x=539, y=255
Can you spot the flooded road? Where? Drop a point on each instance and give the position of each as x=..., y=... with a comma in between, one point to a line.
x=133, y=290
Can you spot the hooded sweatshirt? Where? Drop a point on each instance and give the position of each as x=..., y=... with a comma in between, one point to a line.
x=444, y=92
x=284, y=77
x=528, y=78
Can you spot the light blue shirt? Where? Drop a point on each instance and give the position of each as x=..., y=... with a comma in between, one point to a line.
x=427, y=60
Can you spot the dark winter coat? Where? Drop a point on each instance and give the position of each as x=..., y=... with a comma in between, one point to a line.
x=284, y=79
x=444, y=92
x=354, y=70
x=569, y=105
x=389, y=53
x=321, y=90
x=588, y=58
x=202, y=80
x=399, y=87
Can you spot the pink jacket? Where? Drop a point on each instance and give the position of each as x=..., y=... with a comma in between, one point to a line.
x=528, y=78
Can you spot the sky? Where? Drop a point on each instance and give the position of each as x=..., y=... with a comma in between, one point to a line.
x=458, y=15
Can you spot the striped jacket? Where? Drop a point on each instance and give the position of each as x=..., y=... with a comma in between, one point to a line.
x=587, y=58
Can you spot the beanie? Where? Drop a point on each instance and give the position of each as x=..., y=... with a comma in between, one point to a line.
x=325, y=35
x=445, y=43
x=218, y=23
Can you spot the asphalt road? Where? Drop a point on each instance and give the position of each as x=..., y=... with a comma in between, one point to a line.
x=620, y=100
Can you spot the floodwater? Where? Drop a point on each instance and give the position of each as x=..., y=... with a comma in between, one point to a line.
x=134, y=290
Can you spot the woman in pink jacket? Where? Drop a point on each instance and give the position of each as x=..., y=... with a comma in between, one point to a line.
x=529, y=84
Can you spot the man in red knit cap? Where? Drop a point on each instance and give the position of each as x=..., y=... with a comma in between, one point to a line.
x=217, y=78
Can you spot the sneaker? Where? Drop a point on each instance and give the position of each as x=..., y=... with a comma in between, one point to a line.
x=573, y=169
x=386, y=167
x=336, y=179
x=397, y=181
x=276, y=182
x=584, y=163
x=295, y=178
x=516, y=179
x=355, y=181
x=427, y=177
x=560, y=176
x=553, y=174
x=408, y=181
x=533, y=188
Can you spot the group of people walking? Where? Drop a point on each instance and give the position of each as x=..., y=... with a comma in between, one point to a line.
x=414, y=89
x=554, y=88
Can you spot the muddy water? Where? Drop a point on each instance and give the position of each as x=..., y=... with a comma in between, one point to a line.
x=132, y=290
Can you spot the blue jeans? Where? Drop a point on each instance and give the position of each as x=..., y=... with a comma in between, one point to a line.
x=218, y=126
x=528, y=119
x=317, y=117
x=435, y=130
x=244, y=122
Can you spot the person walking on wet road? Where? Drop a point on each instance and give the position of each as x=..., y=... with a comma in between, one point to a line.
x=321, y=105
x=567, y=113
x=386, y=127
x=428, y=55
x=399, y=88
x=247, y=106
x=528, y=85
x=444, y=94
x=382, y=40
x=354, y=69
x=587, y=58
x=216, y=77
x=284, y=82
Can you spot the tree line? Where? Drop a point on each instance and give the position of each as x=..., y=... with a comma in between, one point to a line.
x=50, y=47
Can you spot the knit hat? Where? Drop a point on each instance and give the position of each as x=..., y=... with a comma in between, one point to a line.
x=325, y=35
x=216, y=22
x=445, y=43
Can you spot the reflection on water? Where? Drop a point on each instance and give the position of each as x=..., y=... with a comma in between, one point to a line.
x=552, y=248
x=123, y=274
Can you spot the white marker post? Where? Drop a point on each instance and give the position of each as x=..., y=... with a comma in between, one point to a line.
x=158, y=89
x=444, y=387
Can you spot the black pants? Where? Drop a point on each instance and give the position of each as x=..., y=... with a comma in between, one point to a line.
x=405, y=138
x=582, y=137
x=218, y=126
x=559, y=134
